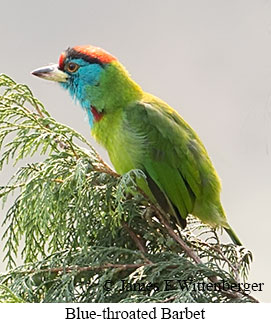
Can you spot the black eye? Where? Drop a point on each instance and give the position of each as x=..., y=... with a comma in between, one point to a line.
x=71, y=67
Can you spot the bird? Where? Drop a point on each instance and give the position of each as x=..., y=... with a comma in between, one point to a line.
x=141, y=131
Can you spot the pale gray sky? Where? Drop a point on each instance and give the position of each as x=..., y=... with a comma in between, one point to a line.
x=210, y=60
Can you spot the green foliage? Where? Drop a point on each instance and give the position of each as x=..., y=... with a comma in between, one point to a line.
x=83, y=231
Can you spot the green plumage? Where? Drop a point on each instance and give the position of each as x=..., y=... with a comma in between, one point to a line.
x=147, y=134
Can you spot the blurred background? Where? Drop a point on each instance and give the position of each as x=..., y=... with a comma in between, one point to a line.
x=210, y=60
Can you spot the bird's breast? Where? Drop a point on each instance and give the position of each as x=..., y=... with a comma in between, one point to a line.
x=122, y=147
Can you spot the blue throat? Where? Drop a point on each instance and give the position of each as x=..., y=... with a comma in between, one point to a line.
x=78, y=83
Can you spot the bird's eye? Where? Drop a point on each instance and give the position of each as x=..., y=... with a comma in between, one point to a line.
x=71, y=67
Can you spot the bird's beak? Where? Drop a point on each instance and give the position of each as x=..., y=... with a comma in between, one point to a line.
x=51, y=72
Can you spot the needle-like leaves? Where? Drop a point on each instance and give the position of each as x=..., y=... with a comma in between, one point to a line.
x=86, y=234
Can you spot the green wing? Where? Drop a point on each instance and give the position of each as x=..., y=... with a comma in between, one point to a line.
x=174, y=160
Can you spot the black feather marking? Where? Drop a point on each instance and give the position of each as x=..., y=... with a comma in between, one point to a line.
x=71, y=53
x=191, y=193
x=164, y=202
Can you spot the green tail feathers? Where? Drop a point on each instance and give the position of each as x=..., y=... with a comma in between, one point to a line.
x=233, y=236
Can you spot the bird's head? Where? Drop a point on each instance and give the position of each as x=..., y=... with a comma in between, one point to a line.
x=93, y=77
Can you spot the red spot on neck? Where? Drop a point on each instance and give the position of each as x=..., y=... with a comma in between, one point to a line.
x=97, y=115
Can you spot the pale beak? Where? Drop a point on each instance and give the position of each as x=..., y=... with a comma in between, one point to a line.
x=51, y=72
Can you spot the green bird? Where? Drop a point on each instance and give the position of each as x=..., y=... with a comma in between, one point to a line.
x=140, y=131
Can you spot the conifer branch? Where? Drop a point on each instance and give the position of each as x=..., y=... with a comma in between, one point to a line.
x=135, y=238
x=83, y=269
x=79, y=223
x=161, y=216
x=177, y=238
